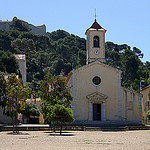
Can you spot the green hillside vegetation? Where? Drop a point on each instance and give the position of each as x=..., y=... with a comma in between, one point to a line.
x=61, y=50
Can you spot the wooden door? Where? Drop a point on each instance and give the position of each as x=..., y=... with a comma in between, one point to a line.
x=97, y=112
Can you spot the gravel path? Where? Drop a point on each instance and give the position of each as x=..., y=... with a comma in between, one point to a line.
x=76, y=140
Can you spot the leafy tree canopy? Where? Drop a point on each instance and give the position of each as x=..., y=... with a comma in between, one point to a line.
x=19, y=25
x=56, y=100
x=8, y=63
x=61, y=50
x=148, y=114
x=60, y=113
x=3, y=94
x=30, y=110
x=128, y=61
x=54, y=91
x=54, y=95
x=16, y=96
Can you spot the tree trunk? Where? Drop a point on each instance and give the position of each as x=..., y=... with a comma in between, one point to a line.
x=61, y=128
x=13, y=121
x=54, y=130
x=50, y=126
x=17, y=129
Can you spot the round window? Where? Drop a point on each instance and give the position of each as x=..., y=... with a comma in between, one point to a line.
x=96, y=80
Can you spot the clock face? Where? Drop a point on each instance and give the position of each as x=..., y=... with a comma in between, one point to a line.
x=96, y=52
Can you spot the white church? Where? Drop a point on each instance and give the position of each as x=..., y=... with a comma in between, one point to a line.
x=98, y=97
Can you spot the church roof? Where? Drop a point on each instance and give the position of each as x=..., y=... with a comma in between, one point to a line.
x=95, y=25
x=90, y=64
x=100, y=63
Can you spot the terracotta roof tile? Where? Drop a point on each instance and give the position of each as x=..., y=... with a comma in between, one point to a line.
x=4, y=21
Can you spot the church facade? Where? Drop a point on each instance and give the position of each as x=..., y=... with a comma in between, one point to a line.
x=98, y=97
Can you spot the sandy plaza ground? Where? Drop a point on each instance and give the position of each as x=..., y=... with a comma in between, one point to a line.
x=76, y=140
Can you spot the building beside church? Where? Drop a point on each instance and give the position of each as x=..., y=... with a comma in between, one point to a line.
x=98, y=97
x=21, y=59
x=145, y=102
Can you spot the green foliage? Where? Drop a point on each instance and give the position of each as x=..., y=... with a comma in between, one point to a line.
x=33, y=88
x=60, y=113
x=148, y=114
x=23, y=45
x=34, y=110
x=5, y=40
x=128, y=61
x=54, y=87
x=69, y=51
x=30, y=110
x=17, y=24
x=60, y=50
x=16, y=96
x=16, y=93
x=138, y=52
x=55, y=96
x=148, y=80
x=29, y=87
x=147, y=64
x=3, y=86
x=8, y=63
x=38, y=50
x=149, y=94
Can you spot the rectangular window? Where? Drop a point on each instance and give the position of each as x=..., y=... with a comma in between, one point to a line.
x=130, y=105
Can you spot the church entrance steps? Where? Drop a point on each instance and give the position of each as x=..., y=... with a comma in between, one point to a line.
x=105, y=129
x=38, y=127
x=144, y=127
x=106, y=123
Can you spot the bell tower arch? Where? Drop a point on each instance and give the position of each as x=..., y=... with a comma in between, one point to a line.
x=95, y=43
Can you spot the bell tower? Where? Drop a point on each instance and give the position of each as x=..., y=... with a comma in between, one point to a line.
x=95, y=43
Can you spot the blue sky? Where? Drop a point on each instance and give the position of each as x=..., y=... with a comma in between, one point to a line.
x=126, y=21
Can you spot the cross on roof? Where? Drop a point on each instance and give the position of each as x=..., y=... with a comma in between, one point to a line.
x=95, y=14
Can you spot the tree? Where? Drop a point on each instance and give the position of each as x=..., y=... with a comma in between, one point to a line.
x=61, y=50
x=54, y=92
x=147, y=64
x=130, y=67
x=2, y=91
x=8, y=63
x=16, y=96
x=138, y=52
x=17, y=24
x=60, y=114
x=23, y=45
x=5, y=40
x=69, y=51
x=55, y=86
x=128, y=61
x=148, y=114
x=34, y=111
x=148, y=80
x=30, y=110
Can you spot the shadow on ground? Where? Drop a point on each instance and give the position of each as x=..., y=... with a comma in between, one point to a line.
x=19, y=133
x=57, y=133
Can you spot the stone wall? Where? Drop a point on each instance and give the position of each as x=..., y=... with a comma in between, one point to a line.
x=40, y=29
x=4, y=119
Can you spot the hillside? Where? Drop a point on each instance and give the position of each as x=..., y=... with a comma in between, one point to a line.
x=61, y=50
